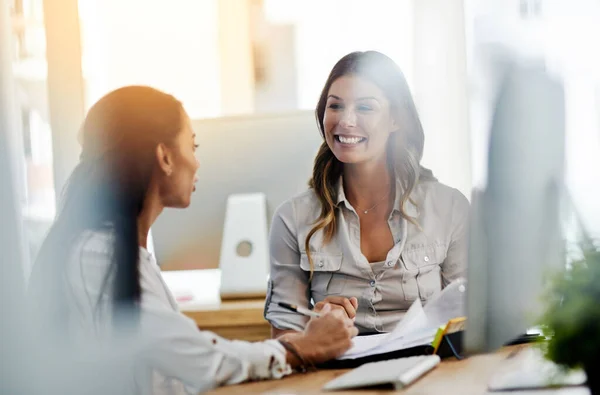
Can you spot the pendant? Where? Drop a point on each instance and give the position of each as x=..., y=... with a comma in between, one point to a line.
x=366, y=211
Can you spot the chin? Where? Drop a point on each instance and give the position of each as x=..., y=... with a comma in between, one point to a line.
x=180, y=203
x=186, y=203
x=348, y=158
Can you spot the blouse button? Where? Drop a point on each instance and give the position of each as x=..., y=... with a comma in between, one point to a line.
x=372, y=283
x=321, y=264
x=426, y=259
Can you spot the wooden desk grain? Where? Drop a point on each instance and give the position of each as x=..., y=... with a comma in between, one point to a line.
x=467, y=377
x=232, y=319
x=198, y=294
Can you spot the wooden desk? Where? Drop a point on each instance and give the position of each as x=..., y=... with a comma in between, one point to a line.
x=197, y=292
x=234, y=319
x=467, y=377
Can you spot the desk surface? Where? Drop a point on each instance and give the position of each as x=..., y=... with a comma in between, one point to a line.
x=241, y=312
x=467, y=377
x=235, y=319
x=197, y=292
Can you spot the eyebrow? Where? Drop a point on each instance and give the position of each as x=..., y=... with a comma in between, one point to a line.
x=367, y=98
x=357, y=99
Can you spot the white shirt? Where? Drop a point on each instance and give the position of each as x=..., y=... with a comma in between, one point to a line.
x=170, y=356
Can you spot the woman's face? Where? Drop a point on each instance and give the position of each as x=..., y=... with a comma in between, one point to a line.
x=180, y=182
x=357, y=120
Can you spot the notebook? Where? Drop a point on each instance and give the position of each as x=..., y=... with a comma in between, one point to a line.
x=435, y=328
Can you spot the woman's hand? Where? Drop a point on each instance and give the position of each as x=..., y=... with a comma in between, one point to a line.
x=341, y=303
x=324, y=338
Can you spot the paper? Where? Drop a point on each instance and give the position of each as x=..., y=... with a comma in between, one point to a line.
x=414, y=318
x=448, y=304
x=407, y=331
x=418, y=326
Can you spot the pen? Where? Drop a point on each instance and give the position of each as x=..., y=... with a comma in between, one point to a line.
x=299, y=310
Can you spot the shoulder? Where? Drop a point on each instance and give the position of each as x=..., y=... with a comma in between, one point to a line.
x=441, y=197
x=91, y=255
x=94, y=242
x=303, y=208
x=88, y=269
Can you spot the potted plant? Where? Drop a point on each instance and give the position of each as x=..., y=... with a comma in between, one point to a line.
x=572, y=317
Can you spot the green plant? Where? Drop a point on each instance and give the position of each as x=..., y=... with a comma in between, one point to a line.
x=572, y=317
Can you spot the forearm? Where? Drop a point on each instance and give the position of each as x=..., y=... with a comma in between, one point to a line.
x=277, y=333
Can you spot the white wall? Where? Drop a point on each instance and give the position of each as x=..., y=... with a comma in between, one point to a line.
x=172, y=45
x=573, y=30
x=440, y=89
x=583, y=150
x=329, y=29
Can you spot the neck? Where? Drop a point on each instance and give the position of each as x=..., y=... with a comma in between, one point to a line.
x=367, y=183
x=152, y=209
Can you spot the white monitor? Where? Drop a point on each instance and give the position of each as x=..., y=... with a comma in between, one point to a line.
x=516, y=234
x=265, y=154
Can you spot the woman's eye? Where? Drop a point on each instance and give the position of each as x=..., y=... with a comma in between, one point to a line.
x=335, y=106
x=364, y=108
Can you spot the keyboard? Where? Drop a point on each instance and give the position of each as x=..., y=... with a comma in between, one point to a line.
x=396, y=373
x=527, y=369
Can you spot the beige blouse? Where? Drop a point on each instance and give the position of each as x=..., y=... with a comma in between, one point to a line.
x=421, y=263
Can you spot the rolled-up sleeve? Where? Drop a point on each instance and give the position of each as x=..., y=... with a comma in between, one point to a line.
x=287, y=281
x=455, y=264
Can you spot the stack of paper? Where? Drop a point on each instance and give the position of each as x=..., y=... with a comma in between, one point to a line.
x=418, y=327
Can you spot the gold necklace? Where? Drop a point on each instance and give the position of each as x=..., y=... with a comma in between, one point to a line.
x=375, y=205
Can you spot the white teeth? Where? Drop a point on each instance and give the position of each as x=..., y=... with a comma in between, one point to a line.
x=350, y=140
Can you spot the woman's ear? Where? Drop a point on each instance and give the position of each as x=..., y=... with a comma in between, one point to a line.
x=164, y=159
x=394, y=125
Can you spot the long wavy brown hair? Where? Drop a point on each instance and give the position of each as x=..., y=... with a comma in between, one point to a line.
x=404, y=148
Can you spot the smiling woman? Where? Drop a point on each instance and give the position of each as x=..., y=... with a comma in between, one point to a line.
x=375, y=231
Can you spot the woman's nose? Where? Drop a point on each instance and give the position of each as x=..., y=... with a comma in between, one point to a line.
x=348, y=119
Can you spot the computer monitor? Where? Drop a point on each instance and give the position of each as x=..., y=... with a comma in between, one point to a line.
x=271, y=154
x=516, y=232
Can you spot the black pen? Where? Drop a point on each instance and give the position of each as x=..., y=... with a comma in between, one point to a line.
x=299, y=310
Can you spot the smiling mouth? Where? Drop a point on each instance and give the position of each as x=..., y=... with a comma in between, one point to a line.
x=351, y=140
